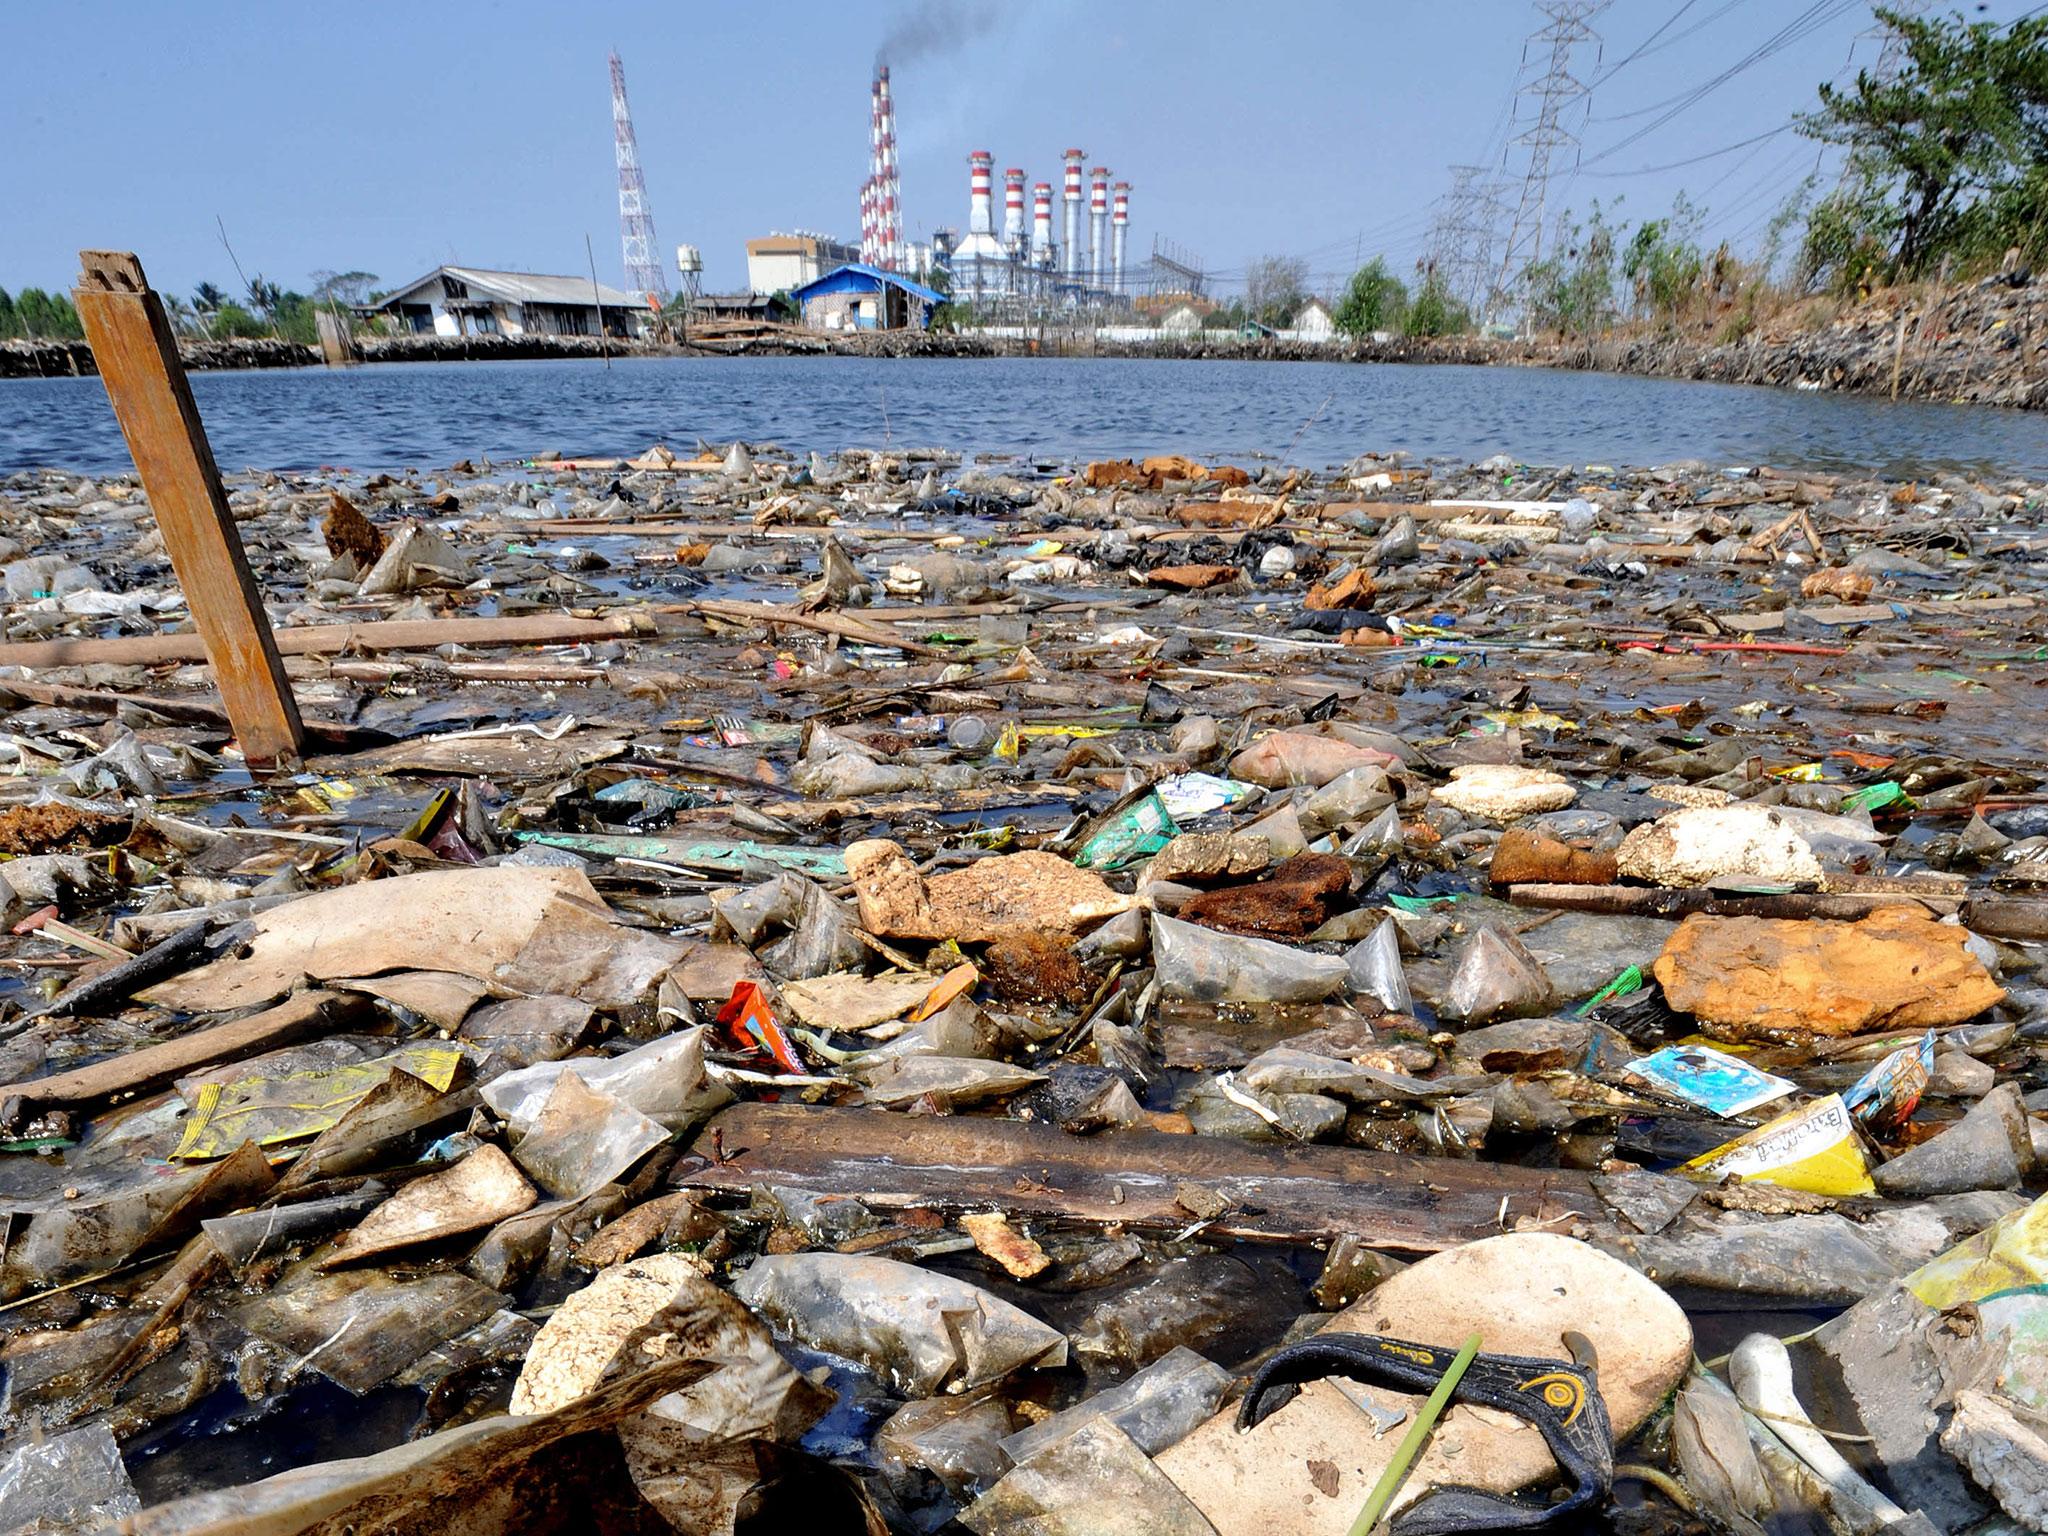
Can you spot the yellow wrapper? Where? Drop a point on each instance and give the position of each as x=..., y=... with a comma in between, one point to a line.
x=1815, y=1149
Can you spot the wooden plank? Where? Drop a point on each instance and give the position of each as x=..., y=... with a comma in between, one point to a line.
x=2007, y=917
x=155, y=1066
x=1659, y=901
x=138, y=362
x=1290, y=1193
x=332, y=639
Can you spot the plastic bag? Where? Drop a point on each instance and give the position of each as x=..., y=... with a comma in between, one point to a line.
x=69, y=1485
x=1496, y=977
x=584, y=1139
x=1160, y=1405
x=1202, y=965
x=923, y=1333
x=1375, y=966
x=664, y=1080
x=822, y=936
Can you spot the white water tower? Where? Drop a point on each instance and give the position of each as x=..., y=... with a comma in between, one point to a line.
x=690, y=263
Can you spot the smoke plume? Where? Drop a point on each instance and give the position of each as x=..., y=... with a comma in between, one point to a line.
x=934, y=28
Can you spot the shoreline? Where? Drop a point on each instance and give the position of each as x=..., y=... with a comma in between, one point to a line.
x=1981, y=344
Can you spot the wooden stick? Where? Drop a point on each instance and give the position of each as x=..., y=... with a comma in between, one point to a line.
x=843, y=625
x=138, y=362
x=153, y=1066
x=331, y=639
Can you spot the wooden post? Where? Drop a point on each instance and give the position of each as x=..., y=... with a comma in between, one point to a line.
x=337, y=346
x=138, y=362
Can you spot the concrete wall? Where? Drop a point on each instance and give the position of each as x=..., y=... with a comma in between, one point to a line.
x=843, y=311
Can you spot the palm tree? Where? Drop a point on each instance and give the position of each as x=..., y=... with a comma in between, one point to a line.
x=206, y=298
x=184, y=318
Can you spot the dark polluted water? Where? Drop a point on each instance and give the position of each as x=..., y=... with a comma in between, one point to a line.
x=1314, y=414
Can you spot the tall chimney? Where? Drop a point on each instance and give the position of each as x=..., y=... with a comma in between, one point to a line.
x=1013, y=211
x=1070, y=251
x=980, y=217
x=871, y=191
x=1041, y=224
x=1119, y=221
x=888, y=184
x=1098, y=226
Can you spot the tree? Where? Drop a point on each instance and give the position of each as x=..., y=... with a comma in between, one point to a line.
x=1663, y=263
x=1274, y=288
x=207, y=298
x=1435, y=311
x=184, y=319
x=10, y=322
x=343, y=287
x=231, y=321
x=1571, y=291
x=1375, y=300
x=264, y=296
x=48, y=316
x=1952, y=146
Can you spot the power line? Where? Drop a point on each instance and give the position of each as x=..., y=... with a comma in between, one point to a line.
x=1616, y=68
x=1712, y=154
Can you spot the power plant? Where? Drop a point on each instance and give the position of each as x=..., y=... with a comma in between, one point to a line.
x=1019, y=266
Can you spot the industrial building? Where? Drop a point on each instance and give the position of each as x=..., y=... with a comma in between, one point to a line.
x=784, y=263
x=1023, y=269
x=472, y=301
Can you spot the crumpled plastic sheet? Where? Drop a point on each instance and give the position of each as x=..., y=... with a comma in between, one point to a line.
x=921, y=1332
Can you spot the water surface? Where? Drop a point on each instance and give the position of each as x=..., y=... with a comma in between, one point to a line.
x=427, y=415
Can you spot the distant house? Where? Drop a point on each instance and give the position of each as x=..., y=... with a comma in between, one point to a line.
x=858, y=297
x=1311, y=322
x=1181, y=320
x=470, y=301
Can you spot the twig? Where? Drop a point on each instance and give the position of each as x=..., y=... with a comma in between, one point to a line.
x=604, y=344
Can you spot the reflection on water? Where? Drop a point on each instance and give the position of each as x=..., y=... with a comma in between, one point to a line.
x=428, y=415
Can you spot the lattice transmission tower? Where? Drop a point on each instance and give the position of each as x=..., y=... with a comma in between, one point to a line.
x=1555, y=94
x=1463, y=237
x=644, y=272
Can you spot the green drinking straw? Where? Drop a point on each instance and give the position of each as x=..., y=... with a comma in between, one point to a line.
x=1411, y=1443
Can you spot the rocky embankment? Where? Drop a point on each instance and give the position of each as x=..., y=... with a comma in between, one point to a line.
x=62, y=359
x=1983, y=343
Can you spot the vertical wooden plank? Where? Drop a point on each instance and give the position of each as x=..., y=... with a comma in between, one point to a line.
x=138, y=362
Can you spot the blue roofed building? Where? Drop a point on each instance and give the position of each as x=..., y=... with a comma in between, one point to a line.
x=858, y=297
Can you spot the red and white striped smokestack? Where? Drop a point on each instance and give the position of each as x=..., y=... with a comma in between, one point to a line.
x=1013, y=210
x=871, y=189
x=1070, y=250
x=980, y=215
x=1098, y=225
x=888, y=183
x=1041, y=223
x=1119, y=221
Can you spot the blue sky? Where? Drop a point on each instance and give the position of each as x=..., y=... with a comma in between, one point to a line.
x=391, y=138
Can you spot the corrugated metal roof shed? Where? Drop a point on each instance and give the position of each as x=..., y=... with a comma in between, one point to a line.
x=522, y=288
x=859, y=277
